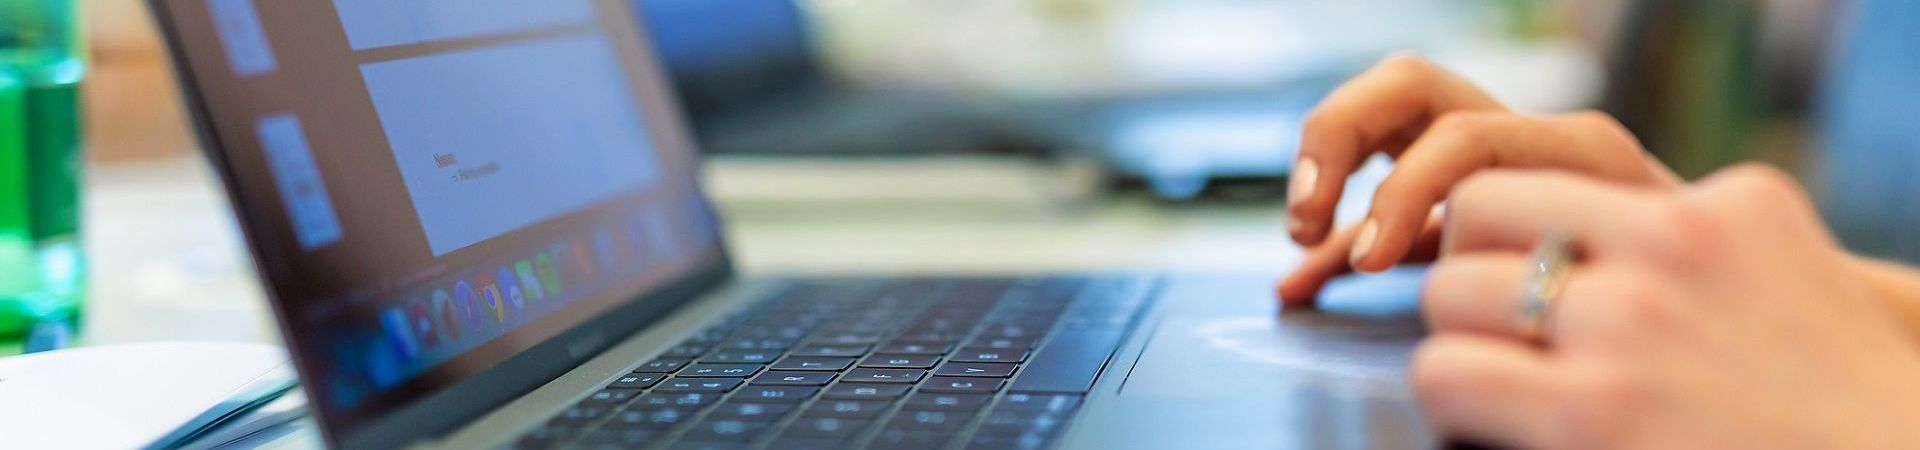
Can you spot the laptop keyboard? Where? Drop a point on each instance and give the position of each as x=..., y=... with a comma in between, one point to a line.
x=869, y=363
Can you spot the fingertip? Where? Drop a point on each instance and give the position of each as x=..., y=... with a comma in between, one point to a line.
x=1296, y=291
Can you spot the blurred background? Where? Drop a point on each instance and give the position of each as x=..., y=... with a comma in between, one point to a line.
x=1047, y=135
x=1179, y=98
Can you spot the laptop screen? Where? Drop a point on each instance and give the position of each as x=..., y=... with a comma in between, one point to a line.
x=434, y=187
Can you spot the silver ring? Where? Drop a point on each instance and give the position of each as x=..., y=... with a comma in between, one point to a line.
x=1552, y=261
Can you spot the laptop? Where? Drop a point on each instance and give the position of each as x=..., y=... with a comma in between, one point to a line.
x=480, y=225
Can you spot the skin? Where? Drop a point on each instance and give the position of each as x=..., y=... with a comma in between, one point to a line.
x=1439, y=129
x=1714, y=315
x=1720, y=315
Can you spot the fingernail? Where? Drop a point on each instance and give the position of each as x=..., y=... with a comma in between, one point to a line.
x=1363, y=243
x=1294, y=224
x=1306, y=176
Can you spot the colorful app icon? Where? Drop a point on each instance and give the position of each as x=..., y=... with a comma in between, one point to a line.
x=467, y=301
x=550, y=277
x=580, y=260
x=491, y=298
x=446, y=316
x=529, y=283
x=400, y=333
x=383, y=366
x=422, y=322
x=510, y=287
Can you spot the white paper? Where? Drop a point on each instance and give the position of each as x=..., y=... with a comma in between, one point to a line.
x=121, y=396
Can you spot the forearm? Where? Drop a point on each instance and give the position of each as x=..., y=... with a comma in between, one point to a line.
x=1898, y=286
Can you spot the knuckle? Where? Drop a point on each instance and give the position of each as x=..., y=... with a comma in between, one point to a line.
x=1761, y=184
x=1609, y=129
x=1406, y=62
x=1680, y=232
x=1455, y=130
x=1473, y=191
x=1641, y=304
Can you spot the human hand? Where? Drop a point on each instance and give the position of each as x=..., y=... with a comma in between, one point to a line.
x=1721, y=315
x=1439, y=129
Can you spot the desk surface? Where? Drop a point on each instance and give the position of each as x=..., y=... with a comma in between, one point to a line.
x=168, y=264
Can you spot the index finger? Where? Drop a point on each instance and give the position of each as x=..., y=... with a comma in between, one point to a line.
x=1392, y=101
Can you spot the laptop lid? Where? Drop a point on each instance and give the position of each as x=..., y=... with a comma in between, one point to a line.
x=451, y=202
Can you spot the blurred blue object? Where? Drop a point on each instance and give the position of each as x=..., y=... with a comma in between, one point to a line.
x=748, y=77
x=725, y=53
x=48, y=335
x=1871, y=142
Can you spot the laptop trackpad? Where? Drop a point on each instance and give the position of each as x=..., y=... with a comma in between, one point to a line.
x=1221, y=371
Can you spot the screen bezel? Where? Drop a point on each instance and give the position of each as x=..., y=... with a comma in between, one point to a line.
x=450, y=407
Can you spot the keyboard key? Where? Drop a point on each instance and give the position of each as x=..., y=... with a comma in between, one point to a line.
x=884, y=375
x=650, y=419
x=726, y=430
x=1011, y=330
x=824, y=428
x=962, y=369
x=897, y=361
x=742, y=356
x=1039, y=403
x=962, y=385
x=998, y=442
x=804, y=443
x=698, y=385
x=847, y=339
x=704, y=370
x=758, y=344
x=686, y=351
x=634, y=437
x=662, y=365
x=908, y=440
x=787, y=378
x=865, y=391
x=707, y=445
x=1001, y=342
x=838, y=351
x=926, y=338
x=771, y=394
x=636, y=381
x=989, y=355
x=764, y=412
x=689, y=400
x=848, y=409
x=813, y=363
x=946, y=402
x=929, y=420
x=612, y=396
x=580, y=414
x=914, y=348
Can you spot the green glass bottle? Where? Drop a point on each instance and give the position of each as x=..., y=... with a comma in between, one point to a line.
x=42, y=62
